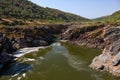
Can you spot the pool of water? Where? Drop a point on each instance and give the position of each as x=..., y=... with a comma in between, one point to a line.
x=61, y=61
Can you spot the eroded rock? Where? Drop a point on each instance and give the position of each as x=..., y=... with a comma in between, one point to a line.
x=110, y=57
x=14, y=38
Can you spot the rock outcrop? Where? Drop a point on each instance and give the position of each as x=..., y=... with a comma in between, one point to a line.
x=14, y=38
x=109, y=60
x=90, y=36
x=6, y=48
x=103, y=36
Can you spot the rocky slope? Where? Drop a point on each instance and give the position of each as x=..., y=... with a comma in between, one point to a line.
x=115, y=17
x=27, y=10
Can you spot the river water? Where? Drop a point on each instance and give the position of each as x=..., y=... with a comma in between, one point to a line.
x=61, y=61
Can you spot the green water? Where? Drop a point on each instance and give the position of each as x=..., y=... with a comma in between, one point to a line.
x=61, y=61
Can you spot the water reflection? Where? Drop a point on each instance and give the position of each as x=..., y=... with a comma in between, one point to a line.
x=73, y=61
x=14, y=69
x=60, y=62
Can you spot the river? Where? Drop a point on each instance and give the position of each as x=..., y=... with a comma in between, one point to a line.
x=61, y=61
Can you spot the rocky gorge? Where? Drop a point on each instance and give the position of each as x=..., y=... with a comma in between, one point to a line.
x=103, y=36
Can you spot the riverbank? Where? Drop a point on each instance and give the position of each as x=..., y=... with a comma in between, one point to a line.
x=15, y=38
x=102, y=36
x=105, y=37
x=63, y=59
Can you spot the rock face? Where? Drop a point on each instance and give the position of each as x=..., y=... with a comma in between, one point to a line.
x=14, y=38
x=30, y=36
x=90, y=36
x=6, y=47
x=109, y=60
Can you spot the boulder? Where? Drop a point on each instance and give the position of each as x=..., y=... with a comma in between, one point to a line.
x=110, y=57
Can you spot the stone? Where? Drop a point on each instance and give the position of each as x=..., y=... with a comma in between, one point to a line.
x=16, y=46
x=116, y=60
x=109, y=60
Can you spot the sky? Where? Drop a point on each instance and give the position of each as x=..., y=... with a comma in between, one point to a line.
x=86, y=8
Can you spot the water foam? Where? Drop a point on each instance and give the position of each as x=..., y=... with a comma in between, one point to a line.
x=22, y=52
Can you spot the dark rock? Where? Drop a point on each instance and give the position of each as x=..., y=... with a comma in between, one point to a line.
x=39, y=42
x=101, y=67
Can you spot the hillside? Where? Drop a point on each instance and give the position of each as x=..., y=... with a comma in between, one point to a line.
x=115, y=17
x=24, y=9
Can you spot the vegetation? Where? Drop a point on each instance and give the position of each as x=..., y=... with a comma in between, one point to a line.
x=115, y=17
x=26, y=10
